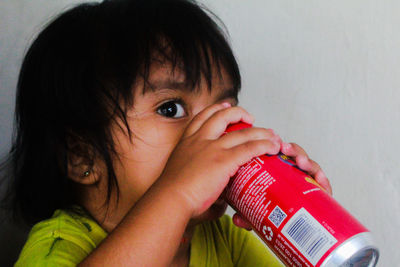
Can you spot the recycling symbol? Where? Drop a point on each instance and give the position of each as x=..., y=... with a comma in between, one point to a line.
x=267, y=231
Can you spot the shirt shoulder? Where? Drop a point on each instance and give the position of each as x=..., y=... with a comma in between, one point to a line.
x=221, y=243
x=63, y=240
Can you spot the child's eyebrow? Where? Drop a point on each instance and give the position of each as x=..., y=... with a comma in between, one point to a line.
x=228, y=93
x=166, y=84
x=153, y=86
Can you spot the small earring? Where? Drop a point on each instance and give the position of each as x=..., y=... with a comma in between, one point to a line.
x=86, y=173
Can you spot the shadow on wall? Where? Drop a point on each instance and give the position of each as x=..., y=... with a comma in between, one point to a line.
x=12, y=238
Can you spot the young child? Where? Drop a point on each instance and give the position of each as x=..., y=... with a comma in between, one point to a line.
x=119, y=158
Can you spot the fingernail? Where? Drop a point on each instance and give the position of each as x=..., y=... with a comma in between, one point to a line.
x=226, y=104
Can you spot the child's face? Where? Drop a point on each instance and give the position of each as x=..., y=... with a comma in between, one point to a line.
x=157, y=120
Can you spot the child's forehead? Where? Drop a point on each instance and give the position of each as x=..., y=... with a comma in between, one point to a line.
x=166, y=76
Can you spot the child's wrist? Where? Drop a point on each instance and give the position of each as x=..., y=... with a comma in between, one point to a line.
x=175, y=199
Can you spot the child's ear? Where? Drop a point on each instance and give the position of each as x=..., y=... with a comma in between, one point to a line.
x=82, y=168
x=83, y=174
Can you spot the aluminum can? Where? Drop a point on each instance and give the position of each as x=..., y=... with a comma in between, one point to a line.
x=301, y=223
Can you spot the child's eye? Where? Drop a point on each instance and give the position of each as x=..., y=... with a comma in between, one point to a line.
x=171, y=109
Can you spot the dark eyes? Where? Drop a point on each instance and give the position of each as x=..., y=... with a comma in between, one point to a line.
x=171, y=109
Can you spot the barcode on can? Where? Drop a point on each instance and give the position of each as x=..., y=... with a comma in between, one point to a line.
x=277, y=216
x=308, y=235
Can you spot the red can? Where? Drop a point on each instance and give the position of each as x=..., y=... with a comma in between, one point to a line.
x=295, y=217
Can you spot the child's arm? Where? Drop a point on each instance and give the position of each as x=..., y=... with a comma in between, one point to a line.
x=195, y=175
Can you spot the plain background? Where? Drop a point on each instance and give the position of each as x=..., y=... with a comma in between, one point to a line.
x=323, y=74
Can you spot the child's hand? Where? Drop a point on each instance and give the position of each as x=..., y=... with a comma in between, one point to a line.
x=203, y=161
x=306, y=164
x=303, y=162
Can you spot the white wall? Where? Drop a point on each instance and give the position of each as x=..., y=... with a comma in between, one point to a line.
x=323, y=74
x=326, y=75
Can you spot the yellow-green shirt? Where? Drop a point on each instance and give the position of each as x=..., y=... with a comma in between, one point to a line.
x=67, y=238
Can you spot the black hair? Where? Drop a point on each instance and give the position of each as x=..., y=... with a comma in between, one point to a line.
x=77, y=77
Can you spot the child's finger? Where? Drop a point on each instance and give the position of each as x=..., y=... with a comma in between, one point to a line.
x=315, y=171
x=321, y=179
x=244, y=135
x=216, y=124
x=292, y=150
x=241, y=222
x=302, y=160
x=306, y=164
x=203, y=116
x=246, y=151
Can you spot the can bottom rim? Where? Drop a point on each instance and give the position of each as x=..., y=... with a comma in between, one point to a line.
x=359, y=250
